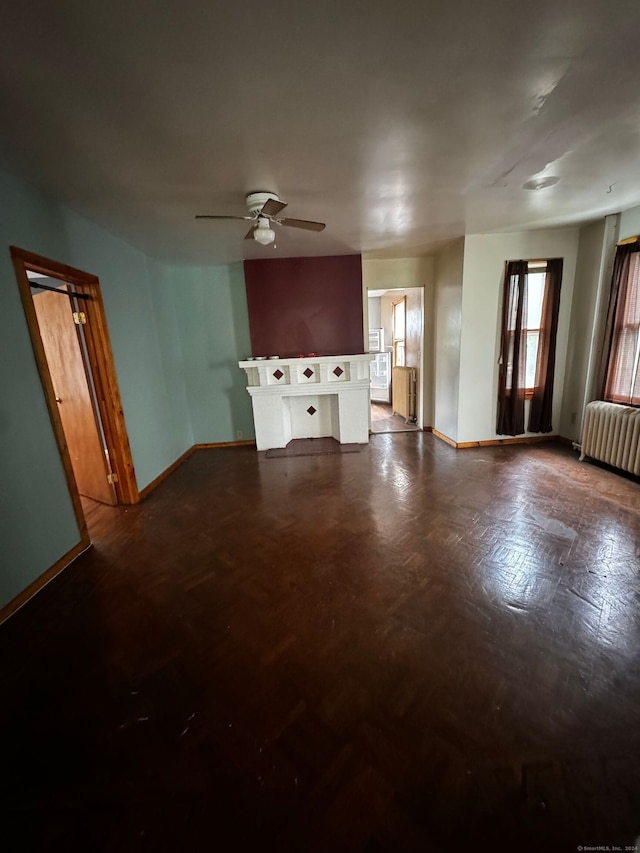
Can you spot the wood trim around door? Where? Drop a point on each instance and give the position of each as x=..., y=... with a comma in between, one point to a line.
x=102, y=369
x=394, y=341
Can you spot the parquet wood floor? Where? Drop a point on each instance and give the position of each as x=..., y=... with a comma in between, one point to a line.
x=411, y=648
x=384, y=420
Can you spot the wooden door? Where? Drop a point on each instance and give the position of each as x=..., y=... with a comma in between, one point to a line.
x=399, y=317
x=64, y=357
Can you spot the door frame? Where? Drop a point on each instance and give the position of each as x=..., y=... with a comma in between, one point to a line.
x=102, y=368
x=389, y=287
x=394, y=340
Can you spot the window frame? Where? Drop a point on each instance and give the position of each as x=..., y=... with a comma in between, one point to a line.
x=535, y=266
x=608, y=393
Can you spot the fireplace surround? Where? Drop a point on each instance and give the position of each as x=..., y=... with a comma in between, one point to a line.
x=309, y=397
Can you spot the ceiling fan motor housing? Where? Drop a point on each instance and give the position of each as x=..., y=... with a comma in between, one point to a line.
x=256, y=201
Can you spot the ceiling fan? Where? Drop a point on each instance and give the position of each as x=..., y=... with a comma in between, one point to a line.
x=264, y=208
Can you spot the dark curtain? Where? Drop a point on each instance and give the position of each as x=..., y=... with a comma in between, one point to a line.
x=513, y=349
x=542, y=400
x=618, y=297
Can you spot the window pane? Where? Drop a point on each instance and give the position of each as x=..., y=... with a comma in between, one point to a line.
x=400, y=354
x=398, y=320
x=632, y=308
x=513, y=304
x=532, y=355
x=535, y=294
x=536, y=281
x=623, y=379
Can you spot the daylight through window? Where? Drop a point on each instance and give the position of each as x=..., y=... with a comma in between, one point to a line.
x=532, y=322
x=623, y=375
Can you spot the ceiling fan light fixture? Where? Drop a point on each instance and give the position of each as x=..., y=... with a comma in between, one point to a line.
x=263, y=233
x=264, y=211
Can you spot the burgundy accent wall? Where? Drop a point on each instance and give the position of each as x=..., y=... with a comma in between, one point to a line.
x=305, y=305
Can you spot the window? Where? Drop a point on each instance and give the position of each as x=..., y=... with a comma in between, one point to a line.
x=623, y=375
x=531, y=322
x=530, y=310
x=399, y=314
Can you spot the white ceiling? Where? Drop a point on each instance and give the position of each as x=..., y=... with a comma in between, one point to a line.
x=400, y=125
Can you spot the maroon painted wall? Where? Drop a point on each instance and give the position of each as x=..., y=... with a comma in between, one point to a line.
x=305, y=305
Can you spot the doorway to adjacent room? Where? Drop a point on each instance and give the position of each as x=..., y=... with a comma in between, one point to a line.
x=396, y=331
x=67, y=324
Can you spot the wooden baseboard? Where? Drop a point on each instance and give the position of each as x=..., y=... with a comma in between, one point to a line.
x=444, y=437
x=247, y=442
x=70, y=556
x=427, y=429
x=495, y=442
x=152, y=485
x=38, y=584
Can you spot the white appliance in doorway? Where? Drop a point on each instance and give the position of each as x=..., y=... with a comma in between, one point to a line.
x=380, y=367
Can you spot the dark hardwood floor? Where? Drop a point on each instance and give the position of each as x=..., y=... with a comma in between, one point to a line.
x=410, y=648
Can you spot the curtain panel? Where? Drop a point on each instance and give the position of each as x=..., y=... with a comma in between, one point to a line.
x=513, y=347
x=621, y=375
x=542, y=400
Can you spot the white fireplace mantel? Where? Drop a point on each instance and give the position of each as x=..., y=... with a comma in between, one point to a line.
x=312, y=397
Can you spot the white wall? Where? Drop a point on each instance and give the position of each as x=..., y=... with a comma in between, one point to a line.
x=584, y=371
x=484, y=260
x=448, y=325
x=375, y=321
x=629, y=223
x=401, y=273
x=589, y=305
x=397, y=272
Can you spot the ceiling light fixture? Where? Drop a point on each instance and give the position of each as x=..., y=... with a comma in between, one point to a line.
x=263, y=232
x=540, y=183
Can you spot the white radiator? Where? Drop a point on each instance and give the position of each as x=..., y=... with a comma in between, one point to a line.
x=611, y=434
x=403, y=391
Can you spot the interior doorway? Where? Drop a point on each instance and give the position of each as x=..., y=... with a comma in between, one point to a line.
x=61, y=324
x=396, y=336
x=67, y=324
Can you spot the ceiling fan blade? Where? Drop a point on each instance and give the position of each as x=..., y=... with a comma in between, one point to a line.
x=303, y=223
x=208, y=216
x=272, y=207
x=249, y=234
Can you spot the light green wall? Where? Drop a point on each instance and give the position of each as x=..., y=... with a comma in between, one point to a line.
x=164, y=283
x=37, y=523
x=177, y=334
x=142, y=348
x=211, y=309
